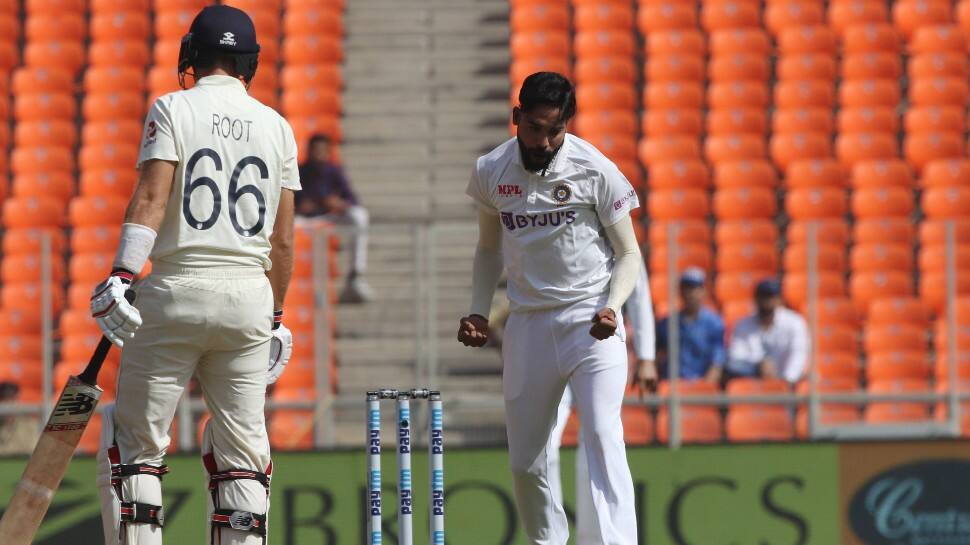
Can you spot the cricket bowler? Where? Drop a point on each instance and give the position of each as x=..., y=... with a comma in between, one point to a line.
x=213, y=209
x=555, y=214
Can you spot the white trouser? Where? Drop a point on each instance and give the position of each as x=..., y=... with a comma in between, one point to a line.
x=544, y=351
x=357, y=218
x=215, y=324
x=586, y=533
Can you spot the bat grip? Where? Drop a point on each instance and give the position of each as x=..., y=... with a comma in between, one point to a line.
x=90, y=373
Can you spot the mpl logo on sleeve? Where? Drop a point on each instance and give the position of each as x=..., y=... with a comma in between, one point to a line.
x=509, y=190
x=922, y=503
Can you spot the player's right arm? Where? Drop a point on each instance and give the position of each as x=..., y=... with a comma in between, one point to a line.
x=486, y=271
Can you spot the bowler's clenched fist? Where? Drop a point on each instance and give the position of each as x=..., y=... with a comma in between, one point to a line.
x=604, y=324
x=473, y=330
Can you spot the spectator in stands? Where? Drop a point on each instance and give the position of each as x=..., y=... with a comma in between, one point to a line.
x=771, y=343
x=701, y=337
x=327, y=194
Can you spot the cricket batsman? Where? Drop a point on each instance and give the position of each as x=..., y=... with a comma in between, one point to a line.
x=555, y=213
x=213, y=208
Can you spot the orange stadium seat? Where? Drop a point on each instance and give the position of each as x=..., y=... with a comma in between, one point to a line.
x=734, y=311
x=618, y=122
x=894, y=365
x=27, y=81
x=881, y=257
x=523, y=68
x=53, y=7
x=787, y=148
x=836, y=338
x=807, y=39
x=895, y=338
x=22, y=212
x=26, y=297
x=814, y=173
x=605, y=96
x=78, y=322
x=682, y=174
x=41, y=159
x=737, y=147
x=698, y=425
x=688, y=232
x=865, y=66
x=107, y=156
x=922, y=148
x=112, y=132
x=746, y=257
x=750, y=41
x=90, y=268
x=617, y=148
x=878, y=202
x=795, y=287
x=738, y=68
x=670, y=204
x=306, y=127
x=9, y=56
x=881, y=173
x=908, y=15
x=937, y=65
x=737, y=94
x=865, y=146
x=54, y=132
x=109, y=6
x=667, y=122
x=828, y=257
x=10, y=25
x=869, y=93
x=21, y=322
x=68, y=27
x=804, y=94
x=745, y=173
x=729, y=15
x=685, y=41
x=311, y=75
x=946, y=202
x=837, y=311
x=667, y=148
x=21, y=347
x=731, y=287
x=541, y=16
x=884, y=231
x=115, y=79
x=828, y=416
x=843, y=15
x=312, y=50
x=538, y=44
x=80, y=347
x=27, y=241
x=946, y=91
x=746, y=231
x=945, y=172
x=311, y=102
x=673, y=95
x=866, y=287
x=26, y=374
x=810, y=66
x=782, y=15
x=120, y=25
x=322, y=20
x=27, y=268
x=737, y=121
x=99, y=239
x=119, y=53
x=44, y=107
x=656, y=19
x=104, y=107
x=862, y=120
x=938, y=39
x=118, y=182
x=65, y=54
x=933, y=257
x=603, y=16
x=688, y=255
x=934, y=231
x=897, y=411
x=899, y=310
x=758, y=424
x=57, y=185
x=744, y=203
x=674, y=67
x=605, y=69
x=802, y=120
x=871, y=38
x=934, y=119
x=93, y=211
x=638, y=427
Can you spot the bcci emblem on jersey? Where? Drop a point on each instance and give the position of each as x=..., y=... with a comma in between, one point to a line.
x=562, y=193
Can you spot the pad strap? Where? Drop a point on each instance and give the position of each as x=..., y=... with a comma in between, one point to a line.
x=144, y=513
x=237, y=474
x=239, y=520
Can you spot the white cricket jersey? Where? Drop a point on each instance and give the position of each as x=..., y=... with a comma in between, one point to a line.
x=553, y=244
x=785, y=342
x=234, y=155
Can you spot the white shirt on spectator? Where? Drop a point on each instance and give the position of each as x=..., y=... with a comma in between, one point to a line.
x=784, y=342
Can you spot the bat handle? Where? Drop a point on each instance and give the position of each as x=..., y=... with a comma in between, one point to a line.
x=90, y=373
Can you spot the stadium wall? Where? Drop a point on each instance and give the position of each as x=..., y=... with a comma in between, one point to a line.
x=866, y=493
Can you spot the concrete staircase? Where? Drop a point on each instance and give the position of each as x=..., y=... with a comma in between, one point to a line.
x=426, y=94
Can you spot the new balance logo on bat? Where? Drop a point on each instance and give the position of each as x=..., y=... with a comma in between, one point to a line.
x=77, y=404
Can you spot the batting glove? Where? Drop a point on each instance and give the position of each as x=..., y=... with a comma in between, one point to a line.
x=280, y=348
x=116, y=317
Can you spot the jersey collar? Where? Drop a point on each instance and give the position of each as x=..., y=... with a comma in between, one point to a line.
x=221, y=81
x=558, y=163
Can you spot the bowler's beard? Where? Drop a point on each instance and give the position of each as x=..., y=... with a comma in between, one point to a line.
x=533, y=160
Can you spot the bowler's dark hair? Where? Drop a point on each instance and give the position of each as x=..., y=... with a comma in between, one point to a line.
x=317, y=138
x=549, y=89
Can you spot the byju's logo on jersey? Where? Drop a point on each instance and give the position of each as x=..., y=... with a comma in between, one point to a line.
x=619, y=203
x=228, y=38
x=549, y=219
x=509, y=190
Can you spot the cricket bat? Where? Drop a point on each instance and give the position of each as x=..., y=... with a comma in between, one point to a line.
x=48, y=463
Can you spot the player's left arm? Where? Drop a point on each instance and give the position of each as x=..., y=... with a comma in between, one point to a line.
x=281, y=252
x=626, y=269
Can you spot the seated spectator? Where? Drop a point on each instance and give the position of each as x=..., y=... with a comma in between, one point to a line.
x=326, y=193
x=771, y=343
x=701, y=337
